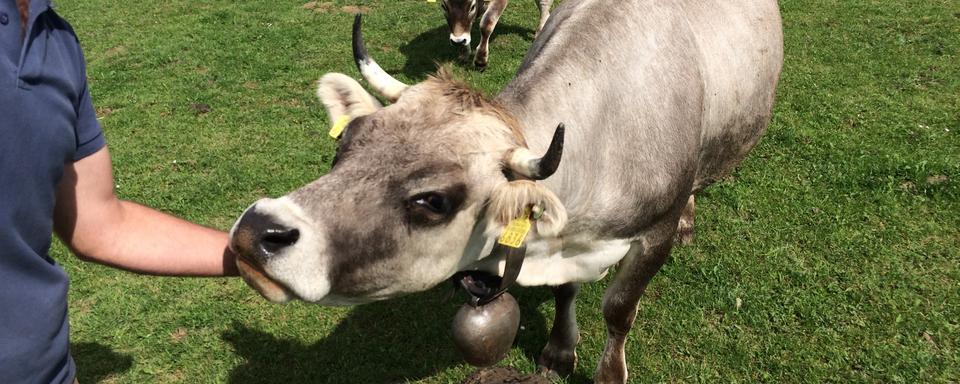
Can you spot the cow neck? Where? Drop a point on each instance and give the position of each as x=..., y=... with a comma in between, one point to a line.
x=483, y=287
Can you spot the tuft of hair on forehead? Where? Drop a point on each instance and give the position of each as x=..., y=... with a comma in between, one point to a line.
x=468, y=99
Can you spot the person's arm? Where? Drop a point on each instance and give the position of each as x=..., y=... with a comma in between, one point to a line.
x=99, y=227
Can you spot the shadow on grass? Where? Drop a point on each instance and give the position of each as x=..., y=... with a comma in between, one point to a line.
x=96, y=362
x=433, y=46
x=393, y=341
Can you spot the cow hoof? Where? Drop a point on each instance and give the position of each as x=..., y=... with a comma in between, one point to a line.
x=480, y=66
x=555, y=363
x=685, y=235
x=685, y=227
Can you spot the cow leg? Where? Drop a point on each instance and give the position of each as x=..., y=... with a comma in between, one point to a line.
x=487, y=24
x=544, y=7
x=622, y=297
x=685, y=230
x=559, y=357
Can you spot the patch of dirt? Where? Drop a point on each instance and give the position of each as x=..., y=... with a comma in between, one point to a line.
x=929, y=339
x=178, y=335
x=291, y=102
x=714, y=317
x=82, y=306
x=328, y=6
x=103, y=112
x=200, y=108
x=115, y=51
x=387, y=48
x=319, y=7
x=251, y=85
x=503, y=375
x=355, y=9
x=928, y=77
x=173, y=377
x=937, y=179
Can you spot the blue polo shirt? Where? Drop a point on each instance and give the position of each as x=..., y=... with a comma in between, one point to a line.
x=46, y=120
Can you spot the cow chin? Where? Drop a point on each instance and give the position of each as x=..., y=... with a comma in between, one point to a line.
x=257, y=279
x=278, y=250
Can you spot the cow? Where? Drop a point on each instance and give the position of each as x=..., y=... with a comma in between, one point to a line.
x=616, y=118
x=460, y=15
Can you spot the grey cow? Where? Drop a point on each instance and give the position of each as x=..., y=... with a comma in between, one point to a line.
x=659, y=99
x=460, y=15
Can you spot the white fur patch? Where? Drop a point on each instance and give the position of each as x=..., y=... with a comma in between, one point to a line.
x=463, y=38
x=555, y=261
x=300, y=266
x=560, y=261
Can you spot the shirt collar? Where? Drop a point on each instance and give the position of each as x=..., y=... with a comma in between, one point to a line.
x=39, y=6
x=36, y=8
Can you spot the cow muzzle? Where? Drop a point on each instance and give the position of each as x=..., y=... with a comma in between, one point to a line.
x=257, y=238
x=462, y=40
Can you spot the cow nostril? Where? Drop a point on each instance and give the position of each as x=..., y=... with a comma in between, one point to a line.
x=275, y=240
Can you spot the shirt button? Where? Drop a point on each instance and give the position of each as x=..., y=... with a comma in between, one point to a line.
x=4, y=18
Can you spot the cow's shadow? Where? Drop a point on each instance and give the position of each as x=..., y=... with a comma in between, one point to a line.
x=393, y=341
x=433, y=46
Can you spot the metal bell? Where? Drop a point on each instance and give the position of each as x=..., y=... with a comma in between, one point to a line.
x=484, y=333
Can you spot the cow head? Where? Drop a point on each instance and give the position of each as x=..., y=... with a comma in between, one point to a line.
x=418, y=191
x=460, y=15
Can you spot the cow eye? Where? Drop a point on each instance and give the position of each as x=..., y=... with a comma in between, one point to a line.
x=434, y=207
x=434, y=202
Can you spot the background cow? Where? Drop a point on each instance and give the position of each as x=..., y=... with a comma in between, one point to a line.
x=659, y=99
x=461, y=13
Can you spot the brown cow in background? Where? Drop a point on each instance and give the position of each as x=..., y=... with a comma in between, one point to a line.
x=461, y=13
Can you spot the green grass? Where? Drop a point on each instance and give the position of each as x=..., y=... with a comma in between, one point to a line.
x=839, y=234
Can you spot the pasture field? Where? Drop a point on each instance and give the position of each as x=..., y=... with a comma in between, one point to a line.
x=831, y=255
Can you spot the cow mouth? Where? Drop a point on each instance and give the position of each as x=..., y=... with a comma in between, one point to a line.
x=257, y=278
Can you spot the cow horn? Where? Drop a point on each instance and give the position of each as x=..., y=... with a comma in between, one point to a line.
x=525, y=163
x=380, y=80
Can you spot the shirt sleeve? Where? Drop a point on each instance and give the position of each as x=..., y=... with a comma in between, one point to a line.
x=90, y=137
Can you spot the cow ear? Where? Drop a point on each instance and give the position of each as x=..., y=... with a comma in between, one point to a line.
x=343, y=96
x=510, y=200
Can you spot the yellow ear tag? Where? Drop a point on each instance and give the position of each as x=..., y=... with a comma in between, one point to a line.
x=337, y=129
x=516, y=231
x=431, y=1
